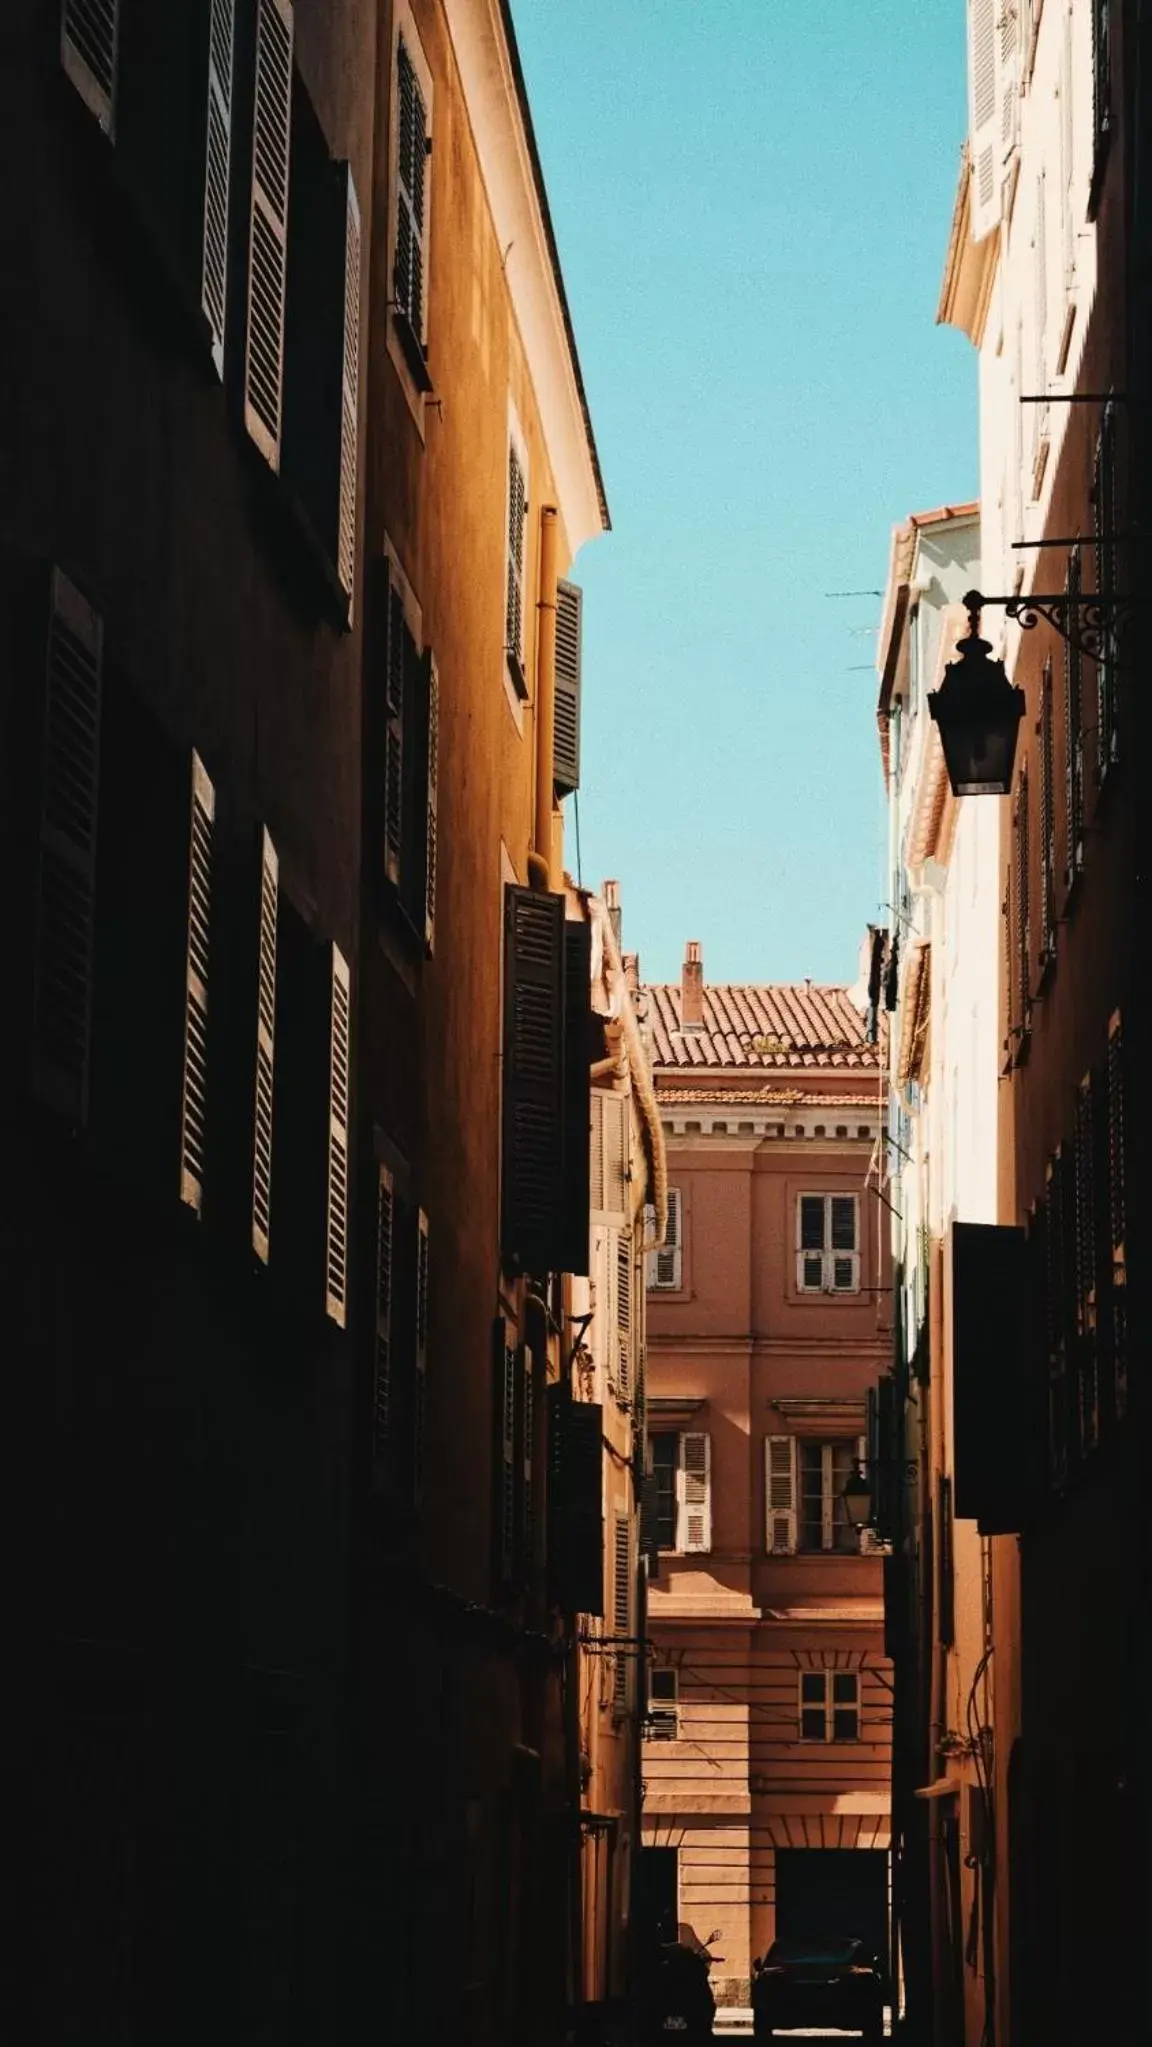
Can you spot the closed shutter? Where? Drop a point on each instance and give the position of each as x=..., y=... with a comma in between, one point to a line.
x=89, y=49
x=622, y=1610
x=217, y=175
x=420, y=1356
x=780, y=1494
x=194, y=1094
x=695, y=1493
x=1104, y=519
x=532, y=1161
x=576, y=1246
x=395, y=665
x=1056, y=1334
x=1073, y=733
x=621, y=1249
x=983, y=135
x=650, y=1515
x=1117, y=1218
x=843, y=1243
x=1047, y=822
x=810, y=1243
x=433, y=683
x=575, y=1503
x=527, y=1529
x=609, y=1188
x=382, y=1388
x=268, y=245
x=569, y=631
x=265, y=1052
x=506, y=1368
x=349, y=395
x=411, y=190
x=1040, y=422
x=66, y=879
x=336, y=1255
x=665, y=1266
x=514, y=600
x=1021, y=892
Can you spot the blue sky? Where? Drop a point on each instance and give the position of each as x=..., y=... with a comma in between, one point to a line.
x=752, y=200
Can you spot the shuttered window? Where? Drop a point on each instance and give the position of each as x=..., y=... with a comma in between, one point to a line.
x=1104, y=514
x=781, y=1489
x=663, y=1506
x=621, y=1253
x=827, y=1243
x=622, y=1625
x=66, y=869
x=1057, y=1204
x=217, y=175
x=575, y=1250
x=398, y=653
x=506, y=1367
x=349, y=394
x=532, y=1158
x=336, y=1250
x=526, y=1530
x=695, y=1517
x=194, y=1091
x=420, y=1354
x=89, y=49
x=382, y=1389
x=514, y=573
x=410, y=264
x=984, y=141
x=662, y=1722
x=1101, y=83
x=1086, y=1234
x=566, y=743
x=432, y=800
x=1047, y=822
x=1117, y=1218
x=1039, y=415
x=824, y=1471
x=575, y=1524
x=609, y=1157
x=1020, y=920
x=265, y=1052
x=829, y=1705
x=268, y=227
x=1073, y=735
x=665, y=1266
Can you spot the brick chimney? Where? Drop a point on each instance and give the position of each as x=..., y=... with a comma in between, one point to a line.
x=692, y=989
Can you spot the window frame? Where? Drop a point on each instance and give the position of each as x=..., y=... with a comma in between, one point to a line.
x=827, y=1253
x=516, y=659
x=665, y=1710
x=408, y=351
x=680, y=1547
x=827, y=1445
x=828, y=1706
x=672, y=1248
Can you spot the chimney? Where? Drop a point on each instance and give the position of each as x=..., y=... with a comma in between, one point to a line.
x=692, y=989
x=612, y=905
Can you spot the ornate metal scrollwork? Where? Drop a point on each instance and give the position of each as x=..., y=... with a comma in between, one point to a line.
x=1089, y=623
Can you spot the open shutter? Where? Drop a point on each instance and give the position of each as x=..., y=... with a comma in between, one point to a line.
x=420, y=1357
x=532, y=1202
x=411, y=184
x=433, y=683
x=394, y=666
x=1039, y=425
x=810, y=1243
x=349, y=393
x=505, y=1361
x=622, y=1610
x=621, y=1250
x=1073, y=733
x=609, y=1192
x=577, y=1095
x=843, y=1270
x=382, y=1365
x=983, y=137
x=265, y=1052
x=780, y=1494
x=195, y=1087
x=217, y=175
x=89, y=49
x=1047, y=822
x=1105, y=522
x=336, y=1257
x=665, y=1265
x=268, y=243
x=66, y=880
x=566, y=742
x=695, y=1493
x=514, y=601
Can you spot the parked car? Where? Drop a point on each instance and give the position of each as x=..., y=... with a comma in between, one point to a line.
x=818, y=1983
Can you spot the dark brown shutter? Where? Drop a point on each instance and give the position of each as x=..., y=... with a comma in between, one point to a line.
x=1087, y=1299
x=505, y=1368
x=420, y=1356
x=336, y=1224
x=623, y=1240
x=575, y=1511
x=532, y=1194
x=569, y=635
x=1117, y=1225
x=411, y=182
x=432, y=679
x=268, y=227
x=1047, y=822
x=526, y=1517
x=1021, y=893
x=382, y=1388
x=622, y=1610
x=265, y=1052
x=349, y=393
x=394, y=666
x=990, y=1374
x=217, y=175
x=1073, y=736
x=1104, y=515
x=89, y=40
x=194, y=1093
x=514, y=596
x=66, y=878
x=577, y=1094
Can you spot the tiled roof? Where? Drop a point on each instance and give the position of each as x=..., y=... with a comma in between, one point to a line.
x=803, y=1027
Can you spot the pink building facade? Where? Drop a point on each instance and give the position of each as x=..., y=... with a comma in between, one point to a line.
x=768, y=1740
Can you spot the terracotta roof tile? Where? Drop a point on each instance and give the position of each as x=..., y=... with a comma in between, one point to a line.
x=807, y=1026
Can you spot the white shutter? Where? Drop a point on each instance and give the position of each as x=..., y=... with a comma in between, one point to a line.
x=89, y=49
x=195, y=1084
x=420, y=1358
x=217, y=176
x=268, y=227
x=394, y=736
x=1008, y=28
x=609, y=1193
x=665, y=1266
x=780, y=1494
x=349, y=396
x=695, y=1493
x=622, y=1610
x=433, y=782
x=620, y=1250
x=265, y=1051
x=382, y=1367
x=983, y=135
x=66, y=879
x=336, y=1253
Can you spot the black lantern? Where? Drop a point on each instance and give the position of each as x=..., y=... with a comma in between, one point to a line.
x=978, y=713
x=857, y=1497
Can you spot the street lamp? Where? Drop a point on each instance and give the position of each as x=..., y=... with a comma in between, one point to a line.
x=857, y=1496
x=978, y=713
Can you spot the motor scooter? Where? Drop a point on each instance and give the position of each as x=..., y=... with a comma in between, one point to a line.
x=677, y=2002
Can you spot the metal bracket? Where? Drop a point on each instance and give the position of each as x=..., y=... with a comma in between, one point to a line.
x=1088, y=620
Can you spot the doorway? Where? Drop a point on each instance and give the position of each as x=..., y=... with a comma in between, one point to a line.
x=657, y=1889
x=841, y=1892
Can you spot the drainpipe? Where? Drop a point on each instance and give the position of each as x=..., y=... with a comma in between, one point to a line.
x=541, y=863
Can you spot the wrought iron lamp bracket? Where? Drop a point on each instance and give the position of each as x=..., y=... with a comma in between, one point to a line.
x=1086, y=620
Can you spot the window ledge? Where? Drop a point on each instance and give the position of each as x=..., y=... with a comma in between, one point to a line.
x=516, y=671
x=413, y=350
x=395, y=916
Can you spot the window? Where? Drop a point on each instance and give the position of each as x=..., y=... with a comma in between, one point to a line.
x=827, y=1244
x=1101, y=88
x=622, y=1628
x=407, y=752
x=195, y=1082
x=829, y=1705
x=89, y=34
x=1047, y=823
x=566, y=736
x=268, y=228
x=665, y=1266
x=400, y=1352
x=1021, y=932
x=824, y=1472
x=413, y=147
x=514, y=590
x=663, y=1721
x=1073, y=734
x=682, y=1491
x=1105, y=526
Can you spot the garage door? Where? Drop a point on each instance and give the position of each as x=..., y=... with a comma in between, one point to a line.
x=833, y=1891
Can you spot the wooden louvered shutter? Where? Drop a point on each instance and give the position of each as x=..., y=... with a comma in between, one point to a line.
x=526, y=1519
x=268, y=244
x=336, y=1248
x=1039, y=424
x=1086, y=1232
x=620, y=1249
x=349, y=394
x=217, y=175
x=382, y=1387
x=66, y=876
x=665, y=1266
x=1104, y=518
x=577, y=1095
x=432, y=679
x=1117, y=1217
x=505, y=1358
x=194, y=1094
x=983, y=134
x=695, y=1493
x=514, y=597
x=609, y=1159
x=1021, y=890
x=575, y=1503
x=532, y=1193
x=265, y=1052
x=1056, y=1334
x=420, y=1356
x=411, y=184
x=89, y=51
x=1073, y=734
x=1047, y=822
x=394, y=666
x=569, y=634
x=622, y=1610
x=780, y=1492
